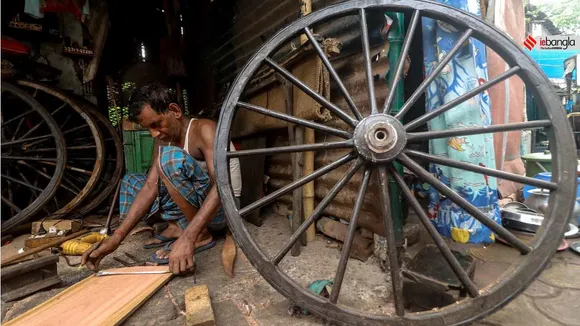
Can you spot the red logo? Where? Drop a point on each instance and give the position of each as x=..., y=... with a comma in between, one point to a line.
x=530, y=42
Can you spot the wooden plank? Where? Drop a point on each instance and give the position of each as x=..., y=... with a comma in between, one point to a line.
x=198, y=308
x=30, y=288
x=55, y=243
x=27, y=266
x=229, y=255
x=97, y=300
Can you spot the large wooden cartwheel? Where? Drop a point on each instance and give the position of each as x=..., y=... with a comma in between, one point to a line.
x=378, y=140
x=27, y=184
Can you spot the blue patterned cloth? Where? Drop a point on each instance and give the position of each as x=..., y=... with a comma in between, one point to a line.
x=186, y=175
x=466, y=71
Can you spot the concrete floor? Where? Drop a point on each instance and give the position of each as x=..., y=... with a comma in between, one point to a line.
x=247, y=299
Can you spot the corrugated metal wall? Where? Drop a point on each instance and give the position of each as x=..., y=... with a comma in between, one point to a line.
x=255, y=24
x=257, y=21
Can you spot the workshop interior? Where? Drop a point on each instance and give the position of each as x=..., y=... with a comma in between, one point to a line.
x=290, y=162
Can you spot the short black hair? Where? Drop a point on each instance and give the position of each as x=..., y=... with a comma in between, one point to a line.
x=156, y=95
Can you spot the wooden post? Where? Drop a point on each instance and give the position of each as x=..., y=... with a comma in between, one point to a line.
x=305, y=9
x=295, y=137
x=308, y=191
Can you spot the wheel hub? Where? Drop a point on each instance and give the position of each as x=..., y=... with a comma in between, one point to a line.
x=379, y=138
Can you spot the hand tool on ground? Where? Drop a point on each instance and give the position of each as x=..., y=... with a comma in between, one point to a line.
x=137, y=262
x=105, y=273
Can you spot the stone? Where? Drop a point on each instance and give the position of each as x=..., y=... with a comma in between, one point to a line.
x=412, y=232
x=565, y=308
x=520, y=309
x=538, y=289
x=198, y=308
x=561, y=275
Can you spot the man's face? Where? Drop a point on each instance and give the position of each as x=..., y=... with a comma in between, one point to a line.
x=162, y=126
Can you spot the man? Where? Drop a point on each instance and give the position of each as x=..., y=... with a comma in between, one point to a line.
x=180, y=185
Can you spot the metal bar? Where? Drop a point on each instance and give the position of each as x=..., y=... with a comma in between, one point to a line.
x=65, y=121
x=343, y=261
x=439, y=242
x=28, y=158
x=293, y=185
x=333, y=74
x=45, y=176
x=72, y=158
x=315, y=96
x=31, y=130
x=46, y=137
x=456, y=101
x=112, y=209
x=72, y=168
x=424, y=135
x=483, y=170
x=292, y=148
x=11, y=204
x=17, y=117
x=18, y=126
x=75, y=129
x=71, y=187
x=70, y=148
x=298, y=121
x=316, y=213
x=400, y=65
x=20, y=182
x=463, y=203
x=20, y=141
x=394, y=266
x=364, y=34
x=419, y=91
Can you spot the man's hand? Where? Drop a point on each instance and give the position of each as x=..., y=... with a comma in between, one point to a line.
x=92, y=257
x=181, y=258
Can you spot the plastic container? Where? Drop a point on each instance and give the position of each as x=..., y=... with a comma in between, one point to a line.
x=547, y=176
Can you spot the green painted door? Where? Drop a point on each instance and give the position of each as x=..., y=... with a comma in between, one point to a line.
x=138, y=151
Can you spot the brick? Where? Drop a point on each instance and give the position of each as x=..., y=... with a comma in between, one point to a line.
x=198, y=307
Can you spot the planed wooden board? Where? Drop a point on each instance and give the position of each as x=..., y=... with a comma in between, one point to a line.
x=97, y=300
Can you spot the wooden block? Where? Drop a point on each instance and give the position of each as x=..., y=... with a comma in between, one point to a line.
x=362, y=248
x=60, y=225
x=198, y=307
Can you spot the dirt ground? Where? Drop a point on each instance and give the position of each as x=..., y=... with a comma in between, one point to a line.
x=247, y=299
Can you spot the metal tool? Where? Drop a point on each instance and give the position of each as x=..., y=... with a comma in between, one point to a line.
x=106, y=273
x=137, y=262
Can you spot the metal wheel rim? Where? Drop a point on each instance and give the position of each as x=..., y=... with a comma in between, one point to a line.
x=53, y=184
x=112, y=183
x=99, y=144
x=493, y=297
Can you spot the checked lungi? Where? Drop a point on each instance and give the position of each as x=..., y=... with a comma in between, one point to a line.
x=186, y=174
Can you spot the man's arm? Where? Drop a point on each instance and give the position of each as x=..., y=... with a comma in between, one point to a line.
x=139, y=207
x=183, y=249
